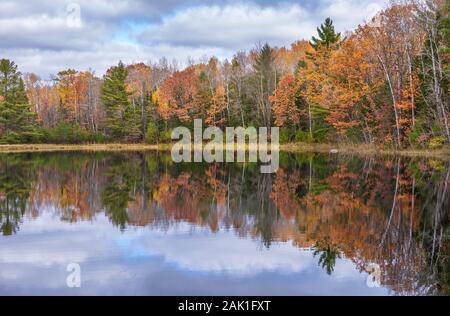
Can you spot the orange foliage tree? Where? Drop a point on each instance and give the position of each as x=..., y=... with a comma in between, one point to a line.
x=215, y=115
x=285, y=102
x=76, y=93
x=353, y=79
x=177, y=96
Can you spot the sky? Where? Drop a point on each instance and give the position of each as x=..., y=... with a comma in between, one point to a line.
x=47, y=36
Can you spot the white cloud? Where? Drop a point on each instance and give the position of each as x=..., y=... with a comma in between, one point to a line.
x=45, y=32
x=232, y=27
x=347, y=14
x=35, y=33
x=100, y=57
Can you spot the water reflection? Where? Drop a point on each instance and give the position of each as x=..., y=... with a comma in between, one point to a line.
x=333, y=210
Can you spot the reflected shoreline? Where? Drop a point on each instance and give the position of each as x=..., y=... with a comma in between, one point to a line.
x=388, y=211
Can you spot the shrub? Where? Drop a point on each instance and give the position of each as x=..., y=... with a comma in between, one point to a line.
x=151, y=136
x=437, y=142
x=303, y=137
x=166, y=136
x=99, y=138
x=418, y=135
x=34, y=136
x=320, y=133
x=285, y=136
x=11, y=138
x=65, y=133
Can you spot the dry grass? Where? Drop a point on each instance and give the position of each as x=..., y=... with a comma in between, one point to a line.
x=359, y=149
x=443, y=153
x=85, y=147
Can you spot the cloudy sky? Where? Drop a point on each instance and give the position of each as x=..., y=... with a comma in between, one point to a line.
x=45, y=36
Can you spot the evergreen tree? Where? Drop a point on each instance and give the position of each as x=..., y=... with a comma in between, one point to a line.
x=16, y=117
x=133, y=124
x=8, y=79
x=264, y=61
x=327, y=36
x=122, y=119
x=320, y=58
x=328, y=254
x=16, y=178
x=265, y=81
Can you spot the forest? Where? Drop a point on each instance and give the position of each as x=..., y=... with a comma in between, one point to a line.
x=386, y=83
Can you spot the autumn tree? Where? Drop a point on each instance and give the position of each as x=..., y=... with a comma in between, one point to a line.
x=78, y=99
x=315, y=87
x=434, y=18
x=177, y=96
x=44, y=97
x=68, y=88
x=214, y=92
x=287, y=59
x=393, y=48
x=140, y=86
x=355, y=81
x=285, y=102
x=216, y=112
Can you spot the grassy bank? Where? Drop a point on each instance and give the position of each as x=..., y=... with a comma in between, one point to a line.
x=443, y=153
x=360, y=149
x=86, y=147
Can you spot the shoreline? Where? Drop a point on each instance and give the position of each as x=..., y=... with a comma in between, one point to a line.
x=361, y=149
x=29, y=148
x=443, y=153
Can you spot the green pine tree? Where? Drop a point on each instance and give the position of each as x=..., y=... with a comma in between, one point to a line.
x=16, y=178
x=133, y=124
x=328, y=254
x=17, y=120
x=265, y=80
x=122, y=119
x=327, y=36
x=264, y=61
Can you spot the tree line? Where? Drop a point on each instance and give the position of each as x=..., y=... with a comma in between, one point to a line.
x=387, y=82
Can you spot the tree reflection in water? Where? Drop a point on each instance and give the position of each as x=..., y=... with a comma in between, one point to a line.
x=328, y=253
x=391, y=211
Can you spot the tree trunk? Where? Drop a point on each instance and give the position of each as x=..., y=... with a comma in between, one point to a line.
x=394, y=101
x=437, y=90
x=411, y=85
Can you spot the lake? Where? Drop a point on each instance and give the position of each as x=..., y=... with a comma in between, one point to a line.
x=138, y=224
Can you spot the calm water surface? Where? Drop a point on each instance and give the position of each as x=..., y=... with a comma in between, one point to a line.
x=138, y=224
